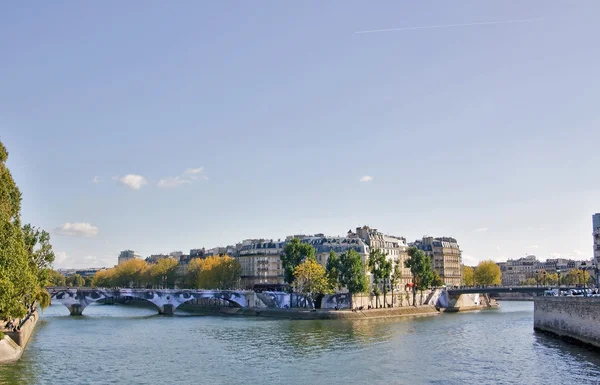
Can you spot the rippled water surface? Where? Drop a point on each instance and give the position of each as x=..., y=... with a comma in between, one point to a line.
x=131, y=345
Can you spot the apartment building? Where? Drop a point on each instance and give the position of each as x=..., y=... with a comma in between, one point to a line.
x=395, y=247
x=260, y=260
x=324, y=245
x=445, y=257
x=127, y=255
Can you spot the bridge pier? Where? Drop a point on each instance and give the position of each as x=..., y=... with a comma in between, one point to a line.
x=167, y=309
x=76, y=309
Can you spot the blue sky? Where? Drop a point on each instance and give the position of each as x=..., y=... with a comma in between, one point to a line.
x=261, y=119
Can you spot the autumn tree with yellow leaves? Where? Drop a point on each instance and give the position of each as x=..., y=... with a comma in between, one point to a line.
x=214, y=272
x=310, y=279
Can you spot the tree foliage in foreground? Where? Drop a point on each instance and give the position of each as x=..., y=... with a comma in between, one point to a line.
x=21, y=283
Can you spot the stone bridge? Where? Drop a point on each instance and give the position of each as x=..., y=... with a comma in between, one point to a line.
x=167, y=300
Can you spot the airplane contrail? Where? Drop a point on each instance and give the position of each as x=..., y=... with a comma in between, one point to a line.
x=449, y=25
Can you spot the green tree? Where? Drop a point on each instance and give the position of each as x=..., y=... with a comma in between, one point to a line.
x=529, y=282
x=396, y=277
x=487, y=273
x=437, y=279
x=381, y=269
x=332, y=268
x=467, y=276
x=75, y=280
x=310, y=279
x=352, y=273
x=39, y=252
x=55, y=278
x=420, y=268
x=294, y=253
x=19, y=286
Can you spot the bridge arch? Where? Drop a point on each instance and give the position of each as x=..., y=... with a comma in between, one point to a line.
x=77, y=300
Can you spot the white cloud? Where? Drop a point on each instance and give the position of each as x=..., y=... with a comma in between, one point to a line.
x=534, y=247
x=481, y=230
x=188, y=176
x=77, y=229
x=96, y=180
x=134, y=182
x=366, y=178
x=577, y=252
x=193, y=171
x=497, y=247
x=63, y=260
x=60, y=257
x=171, y=182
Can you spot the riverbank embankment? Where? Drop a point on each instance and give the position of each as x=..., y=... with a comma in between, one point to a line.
x=304, y=314
x=327, y=314
x=14, y=342
x=575, y=319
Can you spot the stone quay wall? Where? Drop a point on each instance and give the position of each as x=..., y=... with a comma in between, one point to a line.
x=323, y=314
x=574, y=318
x=13, y=343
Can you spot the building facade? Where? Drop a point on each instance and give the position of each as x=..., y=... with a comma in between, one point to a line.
x=260, y=260
x=127, y=255
x=156, y=257
x=445, y=257
x=394, y=247
x=324, y=245
x=516, y=271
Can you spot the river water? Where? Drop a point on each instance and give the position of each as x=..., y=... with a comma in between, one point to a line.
x=131, y=345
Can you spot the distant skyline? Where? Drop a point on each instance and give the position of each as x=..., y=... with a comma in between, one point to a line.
x=160, y=127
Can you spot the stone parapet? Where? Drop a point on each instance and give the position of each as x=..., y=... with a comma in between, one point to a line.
x=572, y=318
x=13, y=344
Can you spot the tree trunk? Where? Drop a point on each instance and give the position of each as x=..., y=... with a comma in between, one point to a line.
x=414, y=295
x=392, y=296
